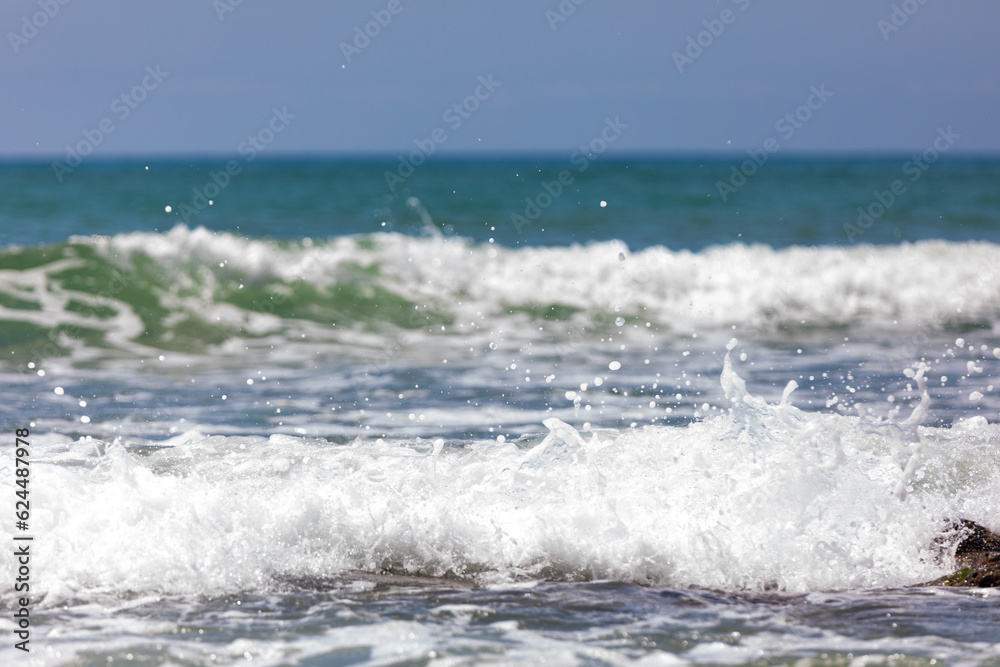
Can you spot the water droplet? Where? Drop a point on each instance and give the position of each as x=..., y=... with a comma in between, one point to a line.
x=621, y=257
x=619, y=321
x=615, y=365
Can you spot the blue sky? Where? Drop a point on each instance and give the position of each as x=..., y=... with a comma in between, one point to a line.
x=894, y=72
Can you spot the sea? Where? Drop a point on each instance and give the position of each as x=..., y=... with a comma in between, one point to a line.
x=549, y=409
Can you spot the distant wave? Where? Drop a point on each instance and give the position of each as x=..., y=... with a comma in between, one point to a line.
x=192, y=289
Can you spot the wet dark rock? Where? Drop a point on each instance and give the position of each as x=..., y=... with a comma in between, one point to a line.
x=977, y=553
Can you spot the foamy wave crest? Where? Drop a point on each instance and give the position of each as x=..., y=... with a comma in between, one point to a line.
x=195, y=290
x=927, y=281
x=764, y=496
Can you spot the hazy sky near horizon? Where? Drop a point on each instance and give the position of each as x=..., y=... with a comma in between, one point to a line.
x=201, y=76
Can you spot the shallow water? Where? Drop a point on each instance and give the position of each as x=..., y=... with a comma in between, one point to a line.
x=352, y=621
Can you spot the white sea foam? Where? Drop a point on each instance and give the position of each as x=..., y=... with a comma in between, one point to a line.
x=764, y=496
x=921, y=283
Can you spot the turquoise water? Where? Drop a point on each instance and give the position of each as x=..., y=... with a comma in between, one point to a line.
x=478, y=416
x=670, y=202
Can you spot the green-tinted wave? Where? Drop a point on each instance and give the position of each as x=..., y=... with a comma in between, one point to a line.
x=57, y=298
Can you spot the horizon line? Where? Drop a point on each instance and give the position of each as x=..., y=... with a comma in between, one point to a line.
x=497, y=155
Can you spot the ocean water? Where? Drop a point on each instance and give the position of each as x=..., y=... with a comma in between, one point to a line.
x=500, y=411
